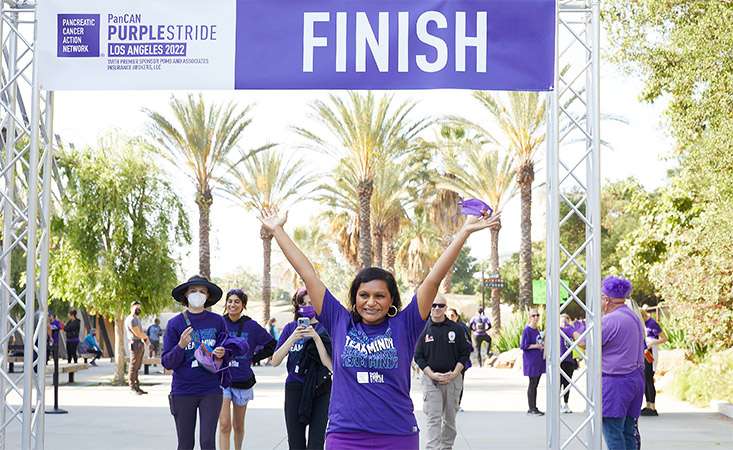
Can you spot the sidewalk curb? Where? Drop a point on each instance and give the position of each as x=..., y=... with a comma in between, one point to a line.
x=722, y=407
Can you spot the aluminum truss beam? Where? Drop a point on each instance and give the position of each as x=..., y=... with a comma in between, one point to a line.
x=25, y=202
x=573, y=166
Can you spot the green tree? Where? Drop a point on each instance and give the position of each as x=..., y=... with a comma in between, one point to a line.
x=198, y=140
x=482, y=173
x=464, y=269
x=265, y=181
x=363, y=132
x=115, y=241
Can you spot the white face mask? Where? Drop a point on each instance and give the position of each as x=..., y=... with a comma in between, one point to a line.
x=196, y=299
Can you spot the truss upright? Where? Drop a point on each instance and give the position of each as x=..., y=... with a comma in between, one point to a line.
x=25, y=191
x=573, y=167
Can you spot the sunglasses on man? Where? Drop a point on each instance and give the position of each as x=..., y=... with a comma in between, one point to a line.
x=438, y=305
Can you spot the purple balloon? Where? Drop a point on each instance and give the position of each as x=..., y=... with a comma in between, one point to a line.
x=475, y=207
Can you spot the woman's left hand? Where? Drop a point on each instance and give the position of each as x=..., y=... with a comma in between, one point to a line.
x=311, y=332
x=218, y=352
x=474, y=223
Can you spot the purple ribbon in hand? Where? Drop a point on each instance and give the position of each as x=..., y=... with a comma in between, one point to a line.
x=475, y=207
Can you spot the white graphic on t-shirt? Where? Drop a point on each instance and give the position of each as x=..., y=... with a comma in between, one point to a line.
x=451, y=337
x=362, y=351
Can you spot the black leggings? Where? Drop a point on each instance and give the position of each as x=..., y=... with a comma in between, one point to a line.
x=184, y=409
x=568, y=367
x=71, y=351
x=650, y=391
x=532, y=392
x=478, y=340
x=317, y=425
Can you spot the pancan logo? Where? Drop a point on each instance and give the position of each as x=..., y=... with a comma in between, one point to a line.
x=78, y=35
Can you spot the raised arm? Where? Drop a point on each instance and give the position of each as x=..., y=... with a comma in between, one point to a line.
x=428, y=289
x=273, y=222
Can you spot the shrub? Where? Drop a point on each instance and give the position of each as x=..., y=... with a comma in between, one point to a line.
x=511, y=332
x=710, y=380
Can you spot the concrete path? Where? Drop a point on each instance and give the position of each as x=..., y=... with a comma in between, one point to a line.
x=112, y=418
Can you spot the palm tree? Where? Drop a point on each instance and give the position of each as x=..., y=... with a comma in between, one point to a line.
x=444, y=212
x=363, y=131
x=419, y=247
x=481, y=173
x=521, y=119
x=198, y=139
x=387, y=205
x=261, y=182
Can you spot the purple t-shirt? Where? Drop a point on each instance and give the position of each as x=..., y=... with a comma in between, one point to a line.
x=653, y=330
x=480, y=324
x=622, y=342
x=533, y=359
x=295, y=354
x=256, y=336
x=371, y=363
x=56, y=326
x=188, y=377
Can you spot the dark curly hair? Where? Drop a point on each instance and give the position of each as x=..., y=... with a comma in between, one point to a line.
x=240, y=295
x=372, y=274
x=296, y=301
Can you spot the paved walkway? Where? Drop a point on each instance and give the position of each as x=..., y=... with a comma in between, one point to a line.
x=112, y=418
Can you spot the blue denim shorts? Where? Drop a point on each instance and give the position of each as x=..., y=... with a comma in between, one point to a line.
x=239, y=397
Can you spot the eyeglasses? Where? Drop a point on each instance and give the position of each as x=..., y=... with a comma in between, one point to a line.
x=438, y=305
x=534, y=315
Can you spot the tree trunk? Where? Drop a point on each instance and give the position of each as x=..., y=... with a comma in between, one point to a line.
x=378, y=245
x=365, y=190
x=495, y=293
x=120, y=351
x=266, y=282
x=526, y=177
x=391, y=255
x=204, y=200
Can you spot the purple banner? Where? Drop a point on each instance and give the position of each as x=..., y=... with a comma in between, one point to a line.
x=395, y=44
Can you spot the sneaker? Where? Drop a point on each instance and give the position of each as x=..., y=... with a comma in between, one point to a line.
x=93, y=364
x=565, y=409
x=535, y=412
x=649, y=412
x=460, y=409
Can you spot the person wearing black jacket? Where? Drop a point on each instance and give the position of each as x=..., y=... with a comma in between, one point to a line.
x=72, y=329
x=442, y=352
x=307, y=346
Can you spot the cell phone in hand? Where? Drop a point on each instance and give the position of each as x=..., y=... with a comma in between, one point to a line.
x=304, y=322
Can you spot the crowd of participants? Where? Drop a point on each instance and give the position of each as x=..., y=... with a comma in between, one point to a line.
x=348, y=367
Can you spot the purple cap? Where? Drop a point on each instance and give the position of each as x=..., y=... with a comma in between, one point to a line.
x=616, y=287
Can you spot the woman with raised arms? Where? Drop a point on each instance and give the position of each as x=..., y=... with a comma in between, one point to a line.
x=373, y=344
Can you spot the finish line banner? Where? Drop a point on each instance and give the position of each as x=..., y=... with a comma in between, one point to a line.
x=296, y=44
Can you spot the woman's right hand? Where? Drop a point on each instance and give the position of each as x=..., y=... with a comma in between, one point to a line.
x=272, y=220
x=185, y=338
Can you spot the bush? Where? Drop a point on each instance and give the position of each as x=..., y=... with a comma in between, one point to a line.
x=511, y=332
x=710, y=380
x=674, y=328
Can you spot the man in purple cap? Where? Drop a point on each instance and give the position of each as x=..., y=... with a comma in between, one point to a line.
x=623, y=365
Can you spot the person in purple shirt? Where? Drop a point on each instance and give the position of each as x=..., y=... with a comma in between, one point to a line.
x=239, y=393
x=568, y=363
x=622, y=346
x=194, y=390
x=655, y=337
x=373, y=344
x=533, y=359
x=300, y=342
x=480, y=325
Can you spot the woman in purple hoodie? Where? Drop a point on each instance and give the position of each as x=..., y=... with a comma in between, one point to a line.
x=261, y=345
x=195, y=389
x=373, y=342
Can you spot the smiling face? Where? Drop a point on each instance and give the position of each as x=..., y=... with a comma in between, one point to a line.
x=373, y=301
x=234, y=305
x=437, y=312
x=534, y=318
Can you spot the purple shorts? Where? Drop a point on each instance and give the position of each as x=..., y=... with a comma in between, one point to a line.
x=372, y=441
x=623, y=394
